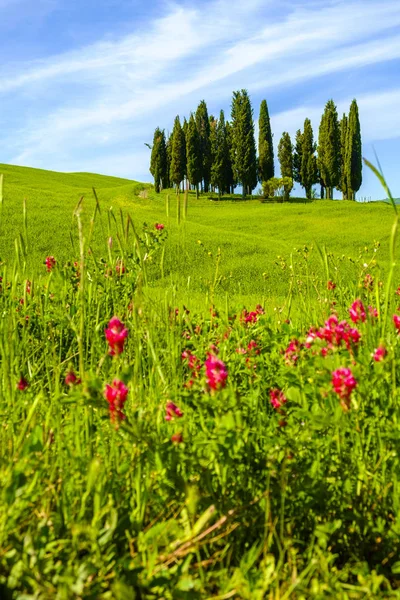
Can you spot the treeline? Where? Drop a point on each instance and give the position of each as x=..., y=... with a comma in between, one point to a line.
x=207, y=153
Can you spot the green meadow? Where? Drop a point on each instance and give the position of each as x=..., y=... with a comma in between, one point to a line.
x=207, y=410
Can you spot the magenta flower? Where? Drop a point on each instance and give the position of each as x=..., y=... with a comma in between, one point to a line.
x=22, y=384
x=71, y=379
x=277, y=398
x=357, y=312
x=116, y=395
x=330, y=285
x=172, y=411
x=379, y=354
x=373, y=311
x=216, y=372
x=396, y=321
x=343, y=383
x=159, y=226
x=177, y=438
x=292, y=352
x=50, y=263
x=116, y=334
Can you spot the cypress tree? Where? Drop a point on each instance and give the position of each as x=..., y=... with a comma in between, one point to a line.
x=297, y=154
x=329, y=149
x=158, y=161
x=353, y=158
x=193, y=156
x=285, y=155
x=169, y=158
x=178, y=155
x=244, y=152
x=213, y=147
x=230, y=178
x=309, y=170
x=219, y=170
x=266, y=168
x=343, y=144
x=203, y=127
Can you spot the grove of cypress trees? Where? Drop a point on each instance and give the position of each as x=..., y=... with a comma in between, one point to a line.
x=343, y=144
x=266, y=168
x=158, y=161
x=329, y=149
x=193, y=156
x=309, y=170
x=178, y=155
x=297, y=154
x=353, y=158
x=285, y=155
x=203, y=127
x=244, y=152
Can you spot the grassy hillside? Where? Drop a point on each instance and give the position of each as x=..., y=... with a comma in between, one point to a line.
x=250, y=234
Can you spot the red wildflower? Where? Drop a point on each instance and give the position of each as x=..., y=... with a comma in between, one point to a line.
x=379, y=354
x=260, y=310
x=369, y=282
x=71, y=379
x=177, y=438
x=116, y=334
x=343, y=383
x=119, y=267
x=22, y=384
x=50, y=263
x=330, y=285
x=159, y=226
x=396, y=321
x=216, y=372
x=116, y=395
x=172, y=411
x=357, y=312
x=291, y=352
x=277, y=398
x=373, y=311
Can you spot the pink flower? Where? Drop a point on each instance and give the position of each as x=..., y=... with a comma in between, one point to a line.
x=260, y=310
x=216, y=372
x=396, y=321
x=159, y=226
x=291, y=352
x=50, y=263
x=71, y=379
x=379, y=354
x=241, y=351
x=343, y=383
x=369, y=282
x=119, y=267
x=22, y=384
x=116, y=395
x=172, y=411
x=252, y=345
x=116, y=334
x=177, y=438
x=250, y=317
x=357, y=312
x=373, y=311
x=277, y=398
x=330, y=285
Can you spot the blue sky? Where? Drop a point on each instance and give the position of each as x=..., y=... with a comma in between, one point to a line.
x=83, y=83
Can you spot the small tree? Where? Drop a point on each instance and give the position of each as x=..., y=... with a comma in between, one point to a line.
x=203, y=127
x=178, y=155
x=244, y=154
x=309, y=170
x=285, y=155
x=329, y=149
x=219, y=168
x=193, y=156
x=266, y=168
x=297, y=154
x=353, y=153
x=158, y=161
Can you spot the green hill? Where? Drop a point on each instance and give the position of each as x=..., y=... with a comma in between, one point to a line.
x=250, y=234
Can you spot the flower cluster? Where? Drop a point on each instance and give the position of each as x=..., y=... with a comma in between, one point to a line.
x=172, y=411
x=50, y=263
x=277, y=398
x=159, y=226
x=379, y=354
x=194, y=365
x=292, y=352
x=334, y=333
x=71, y=379
x=357, y=312
x=343, y=383
x=116, y=334
x=252, y=317
x=116, y=395
x=216, y=372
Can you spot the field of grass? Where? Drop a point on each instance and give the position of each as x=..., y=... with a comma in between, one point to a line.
x=234, y=434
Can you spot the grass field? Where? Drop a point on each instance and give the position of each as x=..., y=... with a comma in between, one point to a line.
x=184, y=423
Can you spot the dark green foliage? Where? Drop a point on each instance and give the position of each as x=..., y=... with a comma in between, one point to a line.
x=329, y=149
x=203, y=127
x=309, y=170
x=285, y=155
x=178, y=154
x=266, y=168
x=244, y=154
x=193, y=155
x=158, y=164
x=297, y=154
x=343, y=144
x=353, y=160
x=230, y=177
x=168, y=183
x=220, y=166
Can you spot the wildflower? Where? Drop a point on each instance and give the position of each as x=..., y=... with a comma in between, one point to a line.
x=260, y=310
x=71, y=378
x=398, y=291
x=252, y=345
x=368, y=282
x=22, y=384
x=250, y=317
x=357, y=312
x=116, y=334
x=373, y=311
x=28, y=286
x=330, y=285
x=177, y=438
x=277, y=398
x=216, y=372
x=159, y=226
x=172, y=411
x=291, y=352
x=119, y=267
x=379, y=354
x=50, y=263
x=116, y=395
x=343, y=383
x=396, y=321
x=241, y=351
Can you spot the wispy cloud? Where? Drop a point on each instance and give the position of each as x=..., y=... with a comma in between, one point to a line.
x=86, y=106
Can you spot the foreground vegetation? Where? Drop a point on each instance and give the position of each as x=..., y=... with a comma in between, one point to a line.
x=157, y=447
